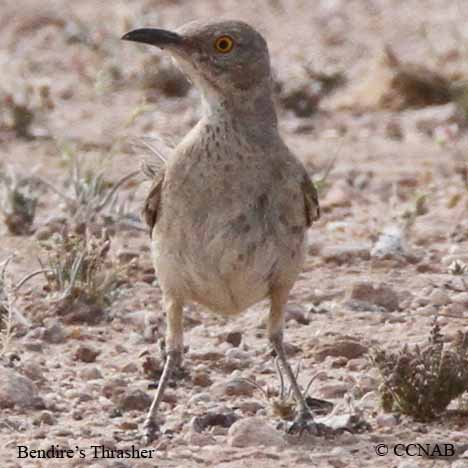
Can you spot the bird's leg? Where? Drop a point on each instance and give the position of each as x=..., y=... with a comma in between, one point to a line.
x=174, y=346
x=304, y=420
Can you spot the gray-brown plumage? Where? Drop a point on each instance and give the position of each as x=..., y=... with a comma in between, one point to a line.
x=228, y=216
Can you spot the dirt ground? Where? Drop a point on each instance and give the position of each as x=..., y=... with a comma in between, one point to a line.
x=388, y=158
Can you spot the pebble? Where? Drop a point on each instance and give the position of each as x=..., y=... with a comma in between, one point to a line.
x=18, y=390
x=439, y=297
x=234, y=338
x=460, y=298
x=201, y=379
x=54, y=332
x=349, y=349
x=342, y=254
x=356, y=364
x=200, y=440
x=236, y=353
x=130, y=368
x=297, y=315
x=33, y=345
x=390, y=243
x=252, y=432
x=200, y=398
x=232, y=387
x=364, y=294
x=134, y=400
x=33, y=370
x=333, y=390
x=86, y=353
x=386, y=420
x=212, y=419
x=90, y=373
x=250, y=407
x=46, y=417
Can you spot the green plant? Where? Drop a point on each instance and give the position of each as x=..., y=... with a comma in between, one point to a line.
x=421, y=382
x=77, y=268
x=89, y=194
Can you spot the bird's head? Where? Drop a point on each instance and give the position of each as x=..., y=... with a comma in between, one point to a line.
x=222, y=59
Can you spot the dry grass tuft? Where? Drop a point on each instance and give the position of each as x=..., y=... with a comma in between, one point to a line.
x=89, y=196
x=81, y=278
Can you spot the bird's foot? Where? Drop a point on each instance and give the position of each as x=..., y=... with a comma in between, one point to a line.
x=150, y=431
x=305, y=423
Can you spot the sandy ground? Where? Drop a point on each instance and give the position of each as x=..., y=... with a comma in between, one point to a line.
x=81, y=384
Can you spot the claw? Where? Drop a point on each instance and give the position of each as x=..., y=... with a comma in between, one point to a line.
x=305, y=423
x=150, y=432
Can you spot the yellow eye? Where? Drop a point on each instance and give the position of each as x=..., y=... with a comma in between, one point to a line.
x=224, y=44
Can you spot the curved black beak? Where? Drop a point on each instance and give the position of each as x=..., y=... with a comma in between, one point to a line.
x=157, y=37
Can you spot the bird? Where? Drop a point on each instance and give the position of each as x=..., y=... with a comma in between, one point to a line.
x=228, y=215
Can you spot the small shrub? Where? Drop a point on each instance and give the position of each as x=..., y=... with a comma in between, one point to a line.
x=81, y=278
x=421, y=382
x=89, y=196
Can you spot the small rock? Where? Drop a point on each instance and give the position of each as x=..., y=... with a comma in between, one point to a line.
x=210, y=355
x=297, y=315
x=85, y=353
x=208, y=420
x=456, y=309
x=346, y=348
x=202, y=379
x=18, y=390
x=339, y=196
x=338, y=362
x=33, y=369
x=457, y=464
x=386, y=420
x=232, y=387
x=333, y=390
x=342, y=254
x=356, y=364
x=439, y=297
x=46, y=417
x=252, y=432
x=250, y=407
x=200, y=440
x=113, y=388
x=152, y=367
x=134, y=400
x=135, y=339
x=32, y=345
x=199, y=398
x=391, y=242
x=407, y=464
x=236, y=353
x=461, y=298
x=364, y=294
x=138, y=318
x=234, y=338
x=130, y=368
x=90, y=373
x=54, y=333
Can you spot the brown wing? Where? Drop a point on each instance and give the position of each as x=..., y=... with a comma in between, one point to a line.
x=152, y=203
x=311, y=203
